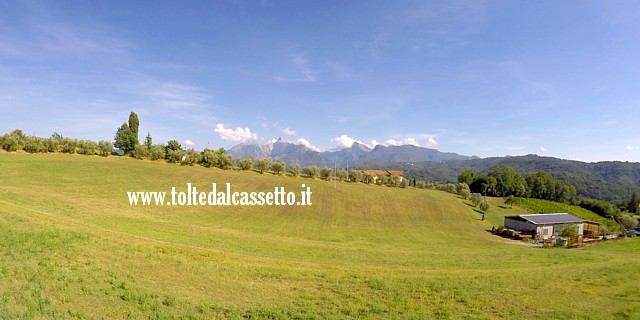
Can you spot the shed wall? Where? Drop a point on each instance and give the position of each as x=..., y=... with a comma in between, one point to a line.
x=519, y=225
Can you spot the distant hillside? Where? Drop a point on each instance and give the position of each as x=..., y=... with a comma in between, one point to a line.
x=409, y=153
x=357, y=154
x=602, y=180
x=608, y=181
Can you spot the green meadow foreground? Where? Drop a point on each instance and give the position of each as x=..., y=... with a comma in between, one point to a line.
x=71, y=246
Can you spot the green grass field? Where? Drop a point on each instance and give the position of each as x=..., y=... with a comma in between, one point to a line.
x=71, y=246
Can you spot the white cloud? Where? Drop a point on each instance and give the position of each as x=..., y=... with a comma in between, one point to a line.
x=301, y=68
x=543, y=149
x=179, y=96
x=288, y=132
x=188, y=143
x=263, y=122
x=59, y=38
x=373, y=143
x=393, y=142
x=631, y=148
x=431, y=142
x=308, y=144
x=239, y=134
x=343, y=141
x=411, y=141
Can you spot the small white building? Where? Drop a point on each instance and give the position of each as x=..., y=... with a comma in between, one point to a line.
x=544, y=226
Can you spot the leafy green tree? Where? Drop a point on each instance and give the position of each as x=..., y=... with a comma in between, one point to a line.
x=294, y=170
x=174, y=156
x=564, y=193
x=105, y=148
x=208, y=158
x=342, y=174
x=172, y=151
x=355, y=175
x=381, y=179
x=476, y=199
x=140, y=152
x=484, y=206
x=216, y=158
x=225, y=161
x=501, y=181
x=311, y=172
x=569, y=232
x=68, y=145
x=190, y=157
x=34, y=144
x=632, y=206
x=510, y=200
x=87, y=147
x=126, y=138
x=148, y=142
x=447, y=187
x=246, y=164
x=508, y=182
x=157, y=152
x=368, y=178
x=278, y=167
x=628, y=222
x=604, y=230
x=463, y=190
x=420, y=184
x=263, y=165
x=541, y=185
x=134, y=123
x=13, y=141
x=602, y=208
x=394, y=181
x=326, y=173
x=484, y=184
x=123, y=139
x=465, y=193
x=467, y=176
x=173, y=145
x=54, y=144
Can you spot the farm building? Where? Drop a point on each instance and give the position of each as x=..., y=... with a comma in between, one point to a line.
x=547, y=226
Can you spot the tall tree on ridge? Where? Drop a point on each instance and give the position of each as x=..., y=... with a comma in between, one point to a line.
x=134, y=123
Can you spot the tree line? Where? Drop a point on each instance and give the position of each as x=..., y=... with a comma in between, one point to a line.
x=504, y=181
x=16, y=140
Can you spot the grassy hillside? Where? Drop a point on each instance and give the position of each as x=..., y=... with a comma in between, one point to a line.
x=71, y=246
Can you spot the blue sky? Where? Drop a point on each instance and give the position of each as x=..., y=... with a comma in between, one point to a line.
x=485, y=78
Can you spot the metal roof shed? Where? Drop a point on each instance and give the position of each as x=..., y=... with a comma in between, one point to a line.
x=551, y=218
x=543, y=225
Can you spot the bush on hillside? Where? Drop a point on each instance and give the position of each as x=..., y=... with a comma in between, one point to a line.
x=628, y=222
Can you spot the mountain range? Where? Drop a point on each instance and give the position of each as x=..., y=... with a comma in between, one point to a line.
x=357, y=154
x=611, y=180
x=608, y=180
